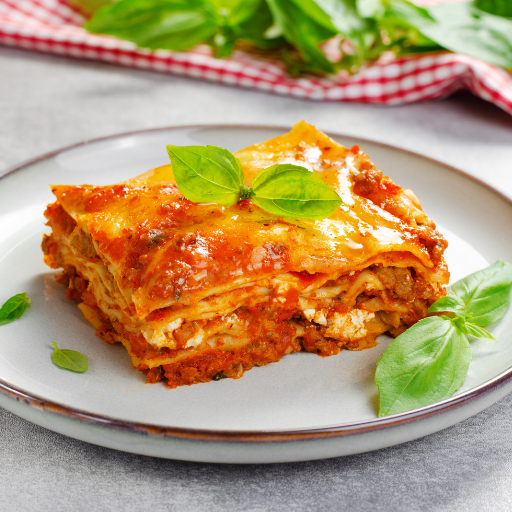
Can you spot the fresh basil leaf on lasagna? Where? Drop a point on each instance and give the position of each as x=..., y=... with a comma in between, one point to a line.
x=207, y=174
x=293, y=191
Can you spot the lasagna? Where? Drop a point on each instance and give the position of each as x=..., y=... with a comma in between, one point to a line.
x=201, y=292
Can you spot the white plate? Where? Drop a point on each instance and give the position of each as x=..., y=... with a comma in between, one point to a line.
x=303, y=407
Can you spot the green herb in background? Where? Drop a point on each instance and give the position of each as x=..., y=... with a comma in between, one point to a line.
x=69, y=359
x=209, y=174
x=430, y=360
x=497, y=7
x=13, y=308
x=89, y=6
x=297, y=28
x=459, y=27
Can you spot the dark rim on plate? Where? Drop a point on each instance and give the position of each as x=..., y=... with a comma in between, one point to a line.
x=361, y=427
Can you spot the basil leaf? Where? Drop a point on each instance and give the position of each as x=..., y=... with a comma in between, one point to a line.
x=293, y=191
x=451, y=303
x=252, y=21
x=482, y=28
x=479, y=332
x=304, y=26
x=226, y=6
x=69, y=359
x=207, y=174
x=229, y=13
x=344, y=16
x=497, y=7
x=458, y=27
x=486, y=293
x=13, y=308
x=91, y=5
x=235, y=12
x=370, y=8
x=425, y=364
x=169, y=24
x=223, y=43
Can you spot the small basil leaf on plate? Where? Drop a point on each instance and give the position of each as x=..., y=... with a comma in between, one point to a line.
x=207, y=174
x=69, y=359
x=293, y=191
x=486, y=293
x=425, y=364
x=478, y=332
x=14, y=307
x=449, y=303
x=171, y=24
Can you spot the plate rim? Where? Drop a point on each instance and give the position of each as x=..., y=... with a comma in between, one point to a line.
x=254, y=436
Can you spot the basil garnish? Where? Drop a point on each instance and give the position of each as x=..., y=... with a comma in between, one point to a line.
x=293, y=191
x=486, y=294
x=69, y=359
x=209, y=174
x=425, y=364
x=13, y=308
x=430, y=360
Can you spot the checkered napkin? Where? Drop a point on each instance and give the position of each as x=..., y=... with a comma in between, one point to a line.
x=52, y=26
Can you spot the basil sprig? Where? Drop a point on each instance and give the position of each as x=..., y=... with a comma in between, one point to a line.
x=429, y=361
x=482, y=297
x=14, y=308
x=209, y=174
x=481, y=28
x=69, y=359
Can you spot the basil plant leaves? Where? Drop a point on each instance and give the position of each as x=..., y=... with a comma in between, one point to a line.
x=430, y=360
x=209, y=174
x=297, y=29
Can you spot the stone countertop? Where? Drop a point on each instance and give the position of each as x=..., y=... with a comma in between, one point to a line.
x=48, y=102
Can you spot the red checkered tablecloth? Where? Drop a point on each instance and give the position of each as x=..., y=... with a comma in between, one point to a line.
x=52, y=26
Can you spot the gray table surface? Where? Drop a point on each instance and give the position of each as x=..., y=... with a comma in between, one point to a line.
x=48, y=102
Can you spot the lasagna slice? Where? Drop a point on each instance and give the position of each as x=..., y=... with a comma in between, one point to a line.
x=200, y=292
